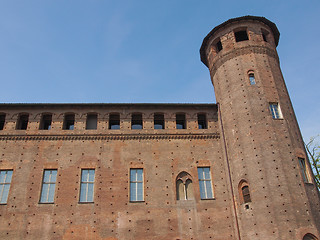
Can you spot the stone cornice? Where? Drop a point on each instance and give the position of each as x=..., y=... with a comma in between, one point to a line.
x=80, y=137
x=221, y=59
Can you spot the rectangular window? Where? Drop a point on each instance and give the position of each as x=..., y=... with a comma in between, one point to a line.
x=202, y=121
x=92, y=120
x=45, y=123
x=205, y=183
x=252, y=79
x=136, y=184
x=2, y=121
x=5, y=181
x=241, y=36
x=87, y=184
x=275, y=111
x=68, y=123
x=136, y=121
x=48, y=186
x=22, y=123
x=304, y=172
x=158, y=121
x=180, y=121
x=114, y=121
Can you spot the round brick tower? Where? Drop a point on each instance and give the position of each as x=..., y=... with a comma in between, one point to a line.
x=275, y=196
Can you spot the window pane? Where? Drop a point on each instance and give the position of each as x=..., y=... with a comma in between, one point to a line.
x=206, y=173
x=133, y=175
x=200, y=173
x=85, y=176
x=44, y=193
x=90, y=192
x=133, y=190
x=53, y=175
x=5, y=193
x=209, y=189
x=83, y=192
x=51, y=193
x=91, y=175
x=202, y=190
x=140, y=192
x=139, y=175
x=2, y=176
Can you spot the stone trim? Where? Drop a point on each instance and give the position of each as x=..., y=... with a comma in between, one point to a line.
x=221, y=59
x=108, y=137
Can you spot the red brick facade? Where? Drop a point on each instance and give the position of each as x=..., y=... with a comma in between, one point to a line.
x=255, y=188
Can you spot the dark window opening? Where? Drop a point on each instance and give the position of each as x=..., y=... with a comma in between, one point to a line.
x=252, y=79
x=23, y=122
x=68, y=122
x=309, y=236
x=158, y=121
x=246, y=194
x=202, y=121
x=45, y=123
x=2, y=121
x=219, y=46
x=180, y=121
x=264, y=37
x=114, y=121
x=92, y=120
x=241, y=36
x=136, y=121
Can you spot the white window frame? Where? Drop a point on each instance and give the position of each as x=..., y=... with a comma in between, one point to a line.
x=208, y=189
x=4, y=194
x=134, y=183
x=51, y=184
x=84, y=186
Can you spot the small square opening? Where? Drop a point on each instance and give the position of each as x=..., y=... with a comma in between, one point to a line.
x=114, y=121
x=22, y=123
x=68, y=122
x=158, y=121
x=180, y=121
x=241, y=36
x=45, y=123
x=136, y=121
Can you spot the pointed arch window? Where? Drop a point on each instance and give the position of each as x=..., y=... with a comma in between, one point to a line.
x=184, y=186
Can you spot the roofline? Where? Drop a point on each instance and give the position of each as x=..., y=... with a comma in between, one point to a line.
x=272, y=25
x=82, y=105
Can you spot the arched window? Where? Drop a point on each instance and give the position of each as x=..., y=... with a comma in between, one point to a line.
x=252, y=78
x=184, y=186
x=309, y=236
x=244, y=192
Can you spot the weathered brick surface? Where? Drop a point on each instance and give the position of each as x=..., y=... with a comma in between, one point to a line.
x=242, y=142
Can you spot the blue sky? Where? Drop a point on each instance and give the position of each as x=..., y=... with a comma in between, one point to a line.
x=144, y=51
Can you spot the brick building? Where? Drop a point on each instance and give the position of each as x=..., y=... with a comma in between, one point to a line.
x=232, y=170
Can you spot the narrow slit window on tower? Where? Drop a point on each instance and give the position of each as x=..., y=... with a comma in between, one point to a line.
x=205, y=183
x=68, y=123
x=92, y=120
x=275, y=111
x=114, y=121
x=180, y=121
x=219, y=46
x=87, y=185
x=158, y=121
x=5, y=182
x=22, y=123
x=241, y=36
x=48, y=186
x=2, y=121
x=136, y=121
x=265, y=34
x=202, y=121
x=45, y=123
x=252, y=78
x=304, y=170
x=136, y=184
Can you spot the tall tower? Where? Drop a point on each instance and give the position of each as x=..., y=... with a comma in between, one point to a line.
x=275, y=196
